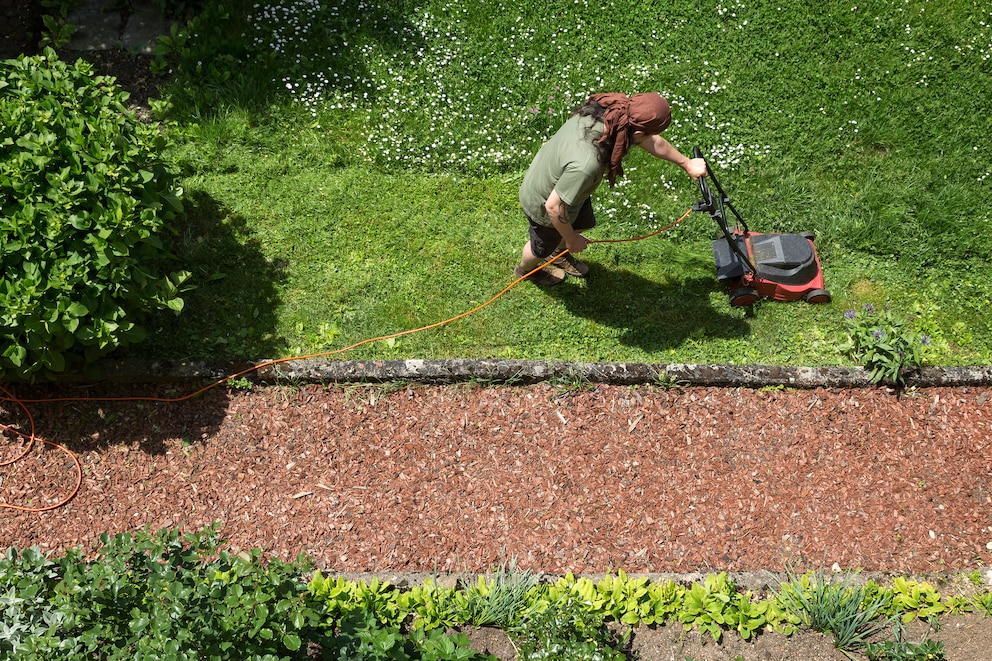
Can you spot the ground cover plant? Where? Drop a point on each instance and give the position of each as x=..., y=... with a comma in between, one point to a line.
x=353, y=173
x=152, y=593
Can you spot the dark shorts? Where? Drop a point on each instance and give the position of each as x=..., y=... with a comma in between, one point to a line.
x=544, y=240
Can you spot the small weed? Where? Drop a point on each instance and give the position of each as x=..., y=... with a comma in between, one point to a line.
x=984, y=602
x=958, y=604
x=900, y=649
x=666, y=381
x=490, y=381
x=58, y=30
x=571, y=383
x=241, y=383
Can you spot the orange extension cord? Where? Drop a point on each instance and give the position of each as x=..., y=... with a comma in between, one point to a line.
x=32, y=438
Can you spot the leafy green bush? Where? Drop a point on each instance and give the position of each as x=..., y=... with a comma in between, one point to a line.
x=361, y=637
x=339, y=597
x=86, y=197
x=568, y=631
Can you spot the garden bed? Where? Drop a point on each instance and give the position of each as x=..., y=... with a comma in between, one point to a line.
x=965, y=638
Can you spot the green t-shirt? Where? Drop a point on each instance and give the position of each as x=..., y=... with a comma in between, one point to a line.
x=566, y=163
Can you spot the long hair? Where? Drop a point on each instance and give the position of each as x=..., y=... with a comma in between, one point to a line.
x=592, y=109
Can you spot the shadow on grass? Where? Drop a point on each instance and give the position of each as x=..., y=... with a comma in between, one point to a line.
x=231, y=313
x=653, y=316
x=256, y=52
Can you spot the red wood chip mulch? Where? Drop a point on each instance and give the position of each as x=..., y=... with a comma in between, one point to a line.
x=462, y=478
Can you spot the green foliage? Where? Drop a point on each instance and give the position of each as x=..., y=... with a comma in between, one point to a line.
x=162, y=596
x=167, y=595
x=435, y=645
x=58, y=29
x=432, y=606
x=361, y=637
x=86, y=196
x=713, y=606
x=497, y=601
x=911, y=600
x=883, y=342
x=708, y=605
x=984, y=601
x=567, y=630
x=847, y=611
x=339, y=597
x=627, y=600
x=958, y=604
x=26, y=579
x=901, y=649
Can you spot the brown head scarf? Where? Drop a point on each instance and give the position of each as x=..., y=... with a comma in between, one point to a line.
x=648, y=112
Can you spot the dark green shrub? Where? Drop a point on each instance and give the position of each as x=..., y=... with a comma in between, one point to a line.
x=86, y=197
x=167, y=595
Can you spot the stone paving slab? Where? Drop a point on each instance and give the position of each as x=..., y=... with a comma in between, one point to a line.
x=101, y=26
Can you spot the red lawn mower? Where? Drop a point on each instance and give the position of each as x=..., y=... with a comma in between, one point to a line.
x=782, y=267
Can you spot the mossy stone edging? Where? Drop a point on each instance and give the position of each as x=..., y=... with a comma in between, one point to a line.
x=956, y=582
x=496, y=371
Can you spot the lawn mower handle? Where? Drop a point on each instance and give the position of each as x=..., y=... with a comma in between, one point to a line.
x=715, y=206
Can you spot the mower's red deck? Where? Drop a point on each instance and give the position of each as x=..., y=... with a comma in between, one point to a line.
x=788, y=268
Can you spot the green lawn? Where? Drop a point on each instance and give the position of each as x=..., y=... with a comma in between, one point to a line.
x=352, y=173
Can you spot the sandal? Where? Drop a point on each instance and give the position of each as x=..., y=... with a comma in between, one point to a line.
x=570, y=265
x=546, y=277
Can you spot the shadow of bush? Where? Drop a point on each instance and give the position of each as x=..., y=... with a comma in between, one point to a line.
x=137, y=416
x=231, y=313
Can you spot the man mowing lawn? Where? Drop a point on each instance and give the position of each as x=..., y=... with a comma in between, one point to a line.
x=556, y=194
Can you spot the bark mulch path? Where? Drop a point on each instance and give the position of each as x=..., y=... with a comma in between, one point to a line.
x=460, y=478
